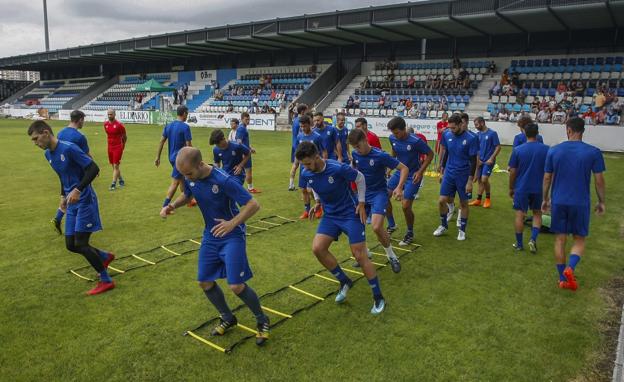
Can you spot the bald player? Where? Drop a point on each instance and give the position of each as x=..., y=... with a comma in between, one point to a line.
x=223, y=249
x=116, y=134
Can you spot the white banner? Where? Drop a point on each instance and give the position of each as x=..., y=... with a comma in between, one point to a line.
x=206, y=75
x=379, y=126
x=265, y=122
x=123, y=116
x=20, y=113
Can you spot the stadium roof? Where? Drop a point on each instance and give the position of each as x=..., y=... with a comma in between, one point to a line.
x=433, y=19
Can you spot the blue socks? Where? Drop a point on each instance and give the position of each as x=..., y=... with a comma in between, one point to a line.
x=410, y=229
x=59, y=215
x=250, y=298
x=103, y=255
x=534, y=232
x=104, y=277
x=519, y=240
x=443, y=221
x=391, y=222
x=560, y=269
x=216, y=297
x=307, y=207
x=340, y=275
x=374, y=284
x=463, y=224
x=166, y=202
x=574, y=260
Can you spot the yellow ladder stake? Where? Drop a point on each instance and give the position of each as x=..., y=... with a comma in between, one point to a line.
x=352, y=271
x=170, y=251
x=380, y=264
x=246, y=328
x=201, y=339
x=326, y=278
x=142, y=259
x=81, y=276
x=276, y=312
x=306, y=293
x=116, y=270
x=195, y=241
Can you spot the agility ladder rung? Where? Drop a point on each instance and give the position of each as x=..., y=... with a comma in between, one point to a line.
x=81, y=276
x=352, y=271
x=116, y=270
x=380, y=264
x=326, y=278
x=246, y=328
x=194, y=241
x=306, y=293
x=170, y=251
x=276, y=312
x=142, y=259
x=205, y=341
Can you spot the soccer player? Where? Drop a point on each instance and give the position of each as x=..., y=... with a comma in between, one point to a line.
x=408, y=148
x=372, y=163
x=568, y=169
x=441, y=126
x=178, y=133
x=71, y=134
x=343, y=133
x=242, y=137
x=76, y=170
x=329, y=180
x=306, y=135
x=230, y=156
x=372, y=138
x=459, y=150
x=489, y=148
x=116, y=133
x=526, y=175
x=223, y=249
x=331, y=145
x=302, y=108
x=521, y=137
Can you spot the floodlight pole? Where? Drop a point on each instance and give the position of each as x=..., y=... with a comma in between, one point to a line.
x=45, y=24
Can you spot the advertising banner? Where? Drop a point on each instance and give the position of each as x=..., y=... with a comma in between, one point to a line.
x=265, y=122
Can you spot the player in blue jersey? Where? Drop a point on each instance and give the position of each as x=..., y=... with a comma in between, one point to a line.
x=408, y=148
x=521, y=137
x=344, y=213
x=230, y=156
x=302, y=109
x=178, y=133
x=76, y=170
x=489, y=148
x=459, y=150
x=223, y=253
x=343, y=133
x=331, y=144
x=306, y=135
x=372, y=163
x=568, y=169
x=242, y=137
x=71, y=134
x=526, y=175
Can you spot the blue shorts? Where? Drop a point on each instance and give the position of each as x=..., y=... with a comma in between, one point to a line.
x=248, y=164
x=452, y=184
x=223, y=259
x=410, y=190
x=175, y=173
x=570, y=219
x=485, y=170
x=332, y=156
x=352, y=226
x=376, y=202
x=240, y=177
x=301, y=183
x=83, y=216
x=525, y=202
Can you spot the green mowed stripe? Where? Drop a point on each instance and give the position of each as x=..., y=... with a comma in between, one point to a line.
x=470, y=310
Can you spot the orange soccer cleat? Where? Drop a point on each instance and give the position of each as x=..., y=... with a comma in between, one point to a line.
x=569, y=275
x=319, y=212
x=254, y=191
x=304, y=215
x=475, y=203
x=487, y=203
x=192, y=203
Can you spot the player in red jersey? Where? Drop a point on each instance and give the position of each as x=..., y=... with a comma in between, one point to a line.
x=371, y=137
x=117, y=138
x=441, y=126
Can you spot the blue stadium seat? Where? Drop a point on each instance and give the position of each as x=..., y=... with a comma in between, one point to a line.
x=517, y=108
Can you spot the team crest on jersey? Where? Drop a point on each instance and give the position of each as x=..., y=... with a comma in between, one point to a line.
x=192, y=184
x=62, y=158
x=215, y=189
x=486, y=137
x=330, y=180
x=371, y=162
x=233, y=152
x=310, y=181
x=464, y=142
x=220, y=154
x=409, y=147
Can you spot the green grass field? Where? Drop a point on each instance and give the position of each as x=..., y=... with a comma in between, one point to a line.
x=472, y=310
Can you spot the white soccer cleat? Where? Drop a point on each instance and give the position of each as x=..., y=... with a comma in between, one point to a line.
x=461, y=236
x=449, y=214
x=458, y=218
x=440, y=231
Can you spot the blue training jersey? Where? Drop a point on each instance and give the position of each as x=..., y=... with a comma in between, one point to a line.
x=177, y=133
x=529, y=160
x=460, y=148
x=69, y=134
x=218, y=196
x=329, y=135
x=231, y=156
x=409, y=150
x=373, y=165
x=69, y=163
x=342, y=138
x=295, y=131
x=571, y=164
x=242, y=135
x=521, y=138
x=488, y=140
x=333, y=186
x=312, y=137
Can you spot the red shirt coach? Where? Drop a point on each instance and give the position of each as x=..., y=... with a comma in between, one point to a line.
x=116, y=133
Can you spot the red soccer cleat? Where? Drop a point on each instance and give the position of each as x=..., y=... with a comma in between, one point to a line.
x=192, y=203
x=101, y=287
x=487, y=203
x=569, y=275
x=110, y=259
x=304, y=215
x=319, y=212
x=254, y=191
x=564, y=285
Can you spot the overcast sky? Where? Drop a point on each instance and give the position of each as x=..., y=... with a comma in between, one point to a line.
x=83, y=22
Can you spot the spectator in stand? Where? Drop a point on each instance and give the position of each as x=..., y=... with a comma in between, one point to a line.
x=273, y=95
x=411, y=82
x=381, y=103
x=561, y=87
x=579, y=89
x=408, y=104
x=265, y=108
x=413, y=112
x=464, y=78
x=543, y=103
x=543, y=116
x=230, y=108
x=356, y=103
x=514, y=117
x=505, y=78
x=185, y=91
x=589, y=117
x=254, y=104
x=599, y=100
x=503, y=115
x=515, y=79
x=494, y=90
x=520, y=97
x=387, y=103
x=507, y=89
x=430, y=82
x=610, y=96
x=535, y=105
x=601, y=116
x=491, y=68
x=423, y=110
x=559, y=116
x=612, y=117
x=261, y=81
x=456, y=63
x=350, y=103
x=366, y=83
x=400, y=109
x=443, y=105
x=269, y=80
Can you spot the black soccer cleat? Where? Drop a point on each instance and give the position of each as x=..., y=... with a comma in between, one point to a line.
x=224, y=326
x=56, y=224
x=407, y=239
x=395, y=265
x=263, y=332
